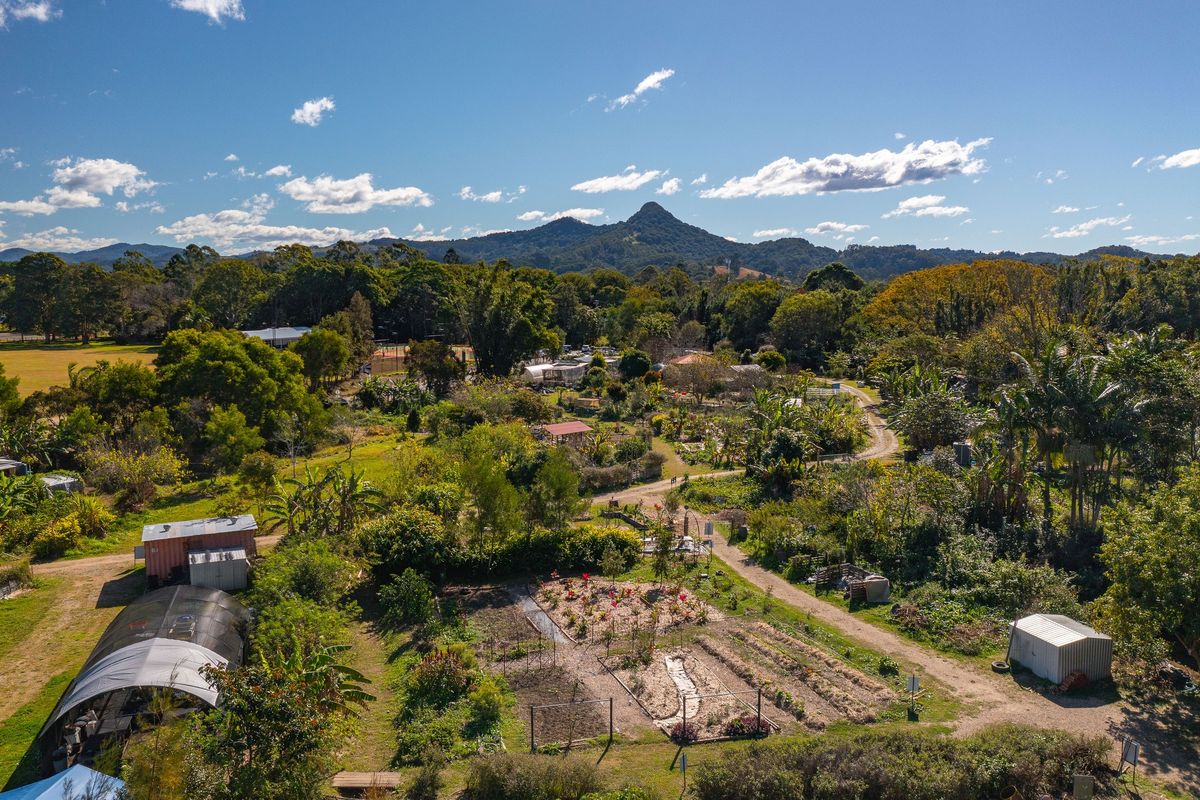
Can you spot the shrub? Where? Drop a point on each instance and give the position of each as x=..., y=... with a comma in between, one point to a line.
x=509, y=776
x=487, y=701
x=407, y=600
x=57, y=538
x=92, y=516
x=598, y=479
x=408, y=537
x=428, y=782
x=133, y=477
x=310, y=570
x=684, y=732
x=442, y=676
x=16, y=573
x=915, y=765
x=745, y=725
x=284, y=625
x=258, y=470
x=888, y=667
x=630, y=449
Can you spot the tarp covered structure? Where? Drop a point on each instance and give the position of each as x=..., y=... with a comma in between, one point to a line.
x=163, y=639
x=71, y=784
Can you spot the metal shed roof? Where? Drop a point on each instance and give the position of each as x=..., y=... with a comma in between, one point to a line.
x=566, y=428
x=278, y=334
x=217, y=554
x=198, y=527
x=1056, y=629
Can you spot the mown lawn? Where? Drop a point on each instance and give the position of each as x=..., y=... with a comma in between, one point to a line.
x=40, y=365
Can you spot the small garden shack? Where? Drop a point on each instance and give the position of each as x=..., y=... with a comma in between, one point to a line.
x=1053, y=646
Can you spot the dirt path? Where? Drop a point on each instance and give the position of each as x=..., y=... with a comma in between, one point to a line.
x=988, y=698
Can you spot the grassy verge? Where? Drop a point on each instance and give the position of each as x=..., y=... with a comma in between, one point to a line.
x=21, y=614
x=18, y=758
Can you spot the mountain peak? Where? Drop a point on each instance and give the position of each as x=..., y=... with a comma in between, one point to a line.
x=653, y=212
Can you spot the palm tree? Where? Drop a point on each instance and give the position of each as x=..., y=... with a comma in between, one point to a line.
x=1043, y=400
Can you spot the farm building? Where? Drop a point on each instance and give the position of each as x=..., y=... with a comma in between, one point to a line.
x=169, y=549
x=278, y=337
x=68, y=484
x=12, y=467
x=162, y=640
x=76, y=783
x=1053, y=646
x=570, y=432
x=558, y=373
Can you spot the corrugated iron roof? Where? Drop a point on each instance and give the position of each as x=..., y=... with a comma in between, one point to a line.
x=198, y=527
x=278, y=334
x=565, y=428
x=217, y=554
x=1057, y=629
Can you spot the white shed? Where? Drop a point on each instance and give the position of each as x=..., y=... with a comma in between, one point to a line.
x=1053, y=646
x=221, y=568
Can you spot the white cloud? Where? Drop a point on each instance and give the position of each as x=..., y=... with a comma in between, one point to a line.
x=774, y=233
x=216, y=10
x=79, y=182
x=36, y=10
x=627, y=181
x=279, y=171
x=1050, y=177
x=669, y=187
x=247, y=227
x=152, y=207
x=496, y=196
x=327, y=195
x=312, y=112
x=242, y=172
x=1064, y=210
x=882, y=169
x=927, y=205
x=898, y=136
x=1159, y=241
x=6, y=153
x=654, y=80
x=822, y=228
x=231, y=157
x=1137, y=161
x=1182, y=159
x=422, y=234
x=28, y=207
x=1085, y=228
x=703, y=179
x=59, y=197
x=581, y=214
x=101, y=176
x=472, y=230
x=58, y=239
x=873, y=239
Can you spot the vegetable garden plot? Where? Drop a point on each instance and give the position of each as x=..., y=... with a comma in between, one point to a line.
x=798, y=678
x=661, y=686
x=589, y=607
x=578, y=719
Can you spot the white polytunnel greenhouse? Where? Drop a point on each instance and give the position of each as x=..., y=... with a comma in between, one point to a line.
x=163, y=640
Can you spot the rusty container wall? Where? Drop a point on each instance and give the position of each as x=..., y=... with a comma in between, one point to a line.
x=166, y=554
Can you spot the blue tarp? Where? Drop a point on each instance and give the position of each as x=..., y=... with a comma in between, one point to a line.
x=72, y=784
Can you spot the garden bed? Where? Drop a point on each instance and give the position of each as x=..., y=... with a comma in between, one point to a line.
x=588, y=607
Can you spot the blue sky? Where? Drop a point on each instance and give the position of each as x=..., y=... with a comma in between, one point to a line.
x=989, y=126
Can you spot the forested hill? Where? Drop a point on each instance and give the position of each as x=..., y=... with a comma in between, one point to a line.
x=652, y=236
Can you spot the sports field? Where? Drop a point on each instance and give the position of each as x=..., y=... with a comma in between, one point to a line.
x=40, y=365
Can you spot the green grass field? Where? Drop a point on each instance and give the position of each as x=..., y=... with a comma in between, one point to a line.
x=40, y=365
